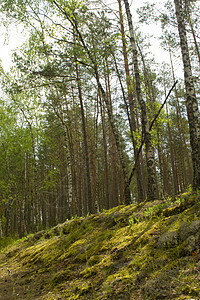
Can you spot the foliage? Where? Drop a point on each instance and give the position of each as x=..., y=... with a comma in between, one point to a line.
x=74, y=50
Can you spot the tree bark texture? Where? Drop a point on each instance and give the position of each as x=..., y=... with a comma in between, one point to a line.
x=151, y=190
x=133, y=126
x=85, y=144
x=191, y=101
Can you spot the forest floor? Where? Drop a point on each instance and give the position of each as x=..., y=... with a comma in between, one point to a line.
x=145, y=251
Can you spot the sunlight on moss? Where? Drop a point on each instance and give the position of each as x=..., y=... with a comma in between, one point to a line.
x=116, y=254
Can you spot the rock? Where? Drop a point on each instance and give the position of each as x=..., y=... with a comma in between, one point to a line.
x=159, y=288
x=37, y=236
x=186, y=230
x=168, y=239
x=191, y=243
x=112, y=219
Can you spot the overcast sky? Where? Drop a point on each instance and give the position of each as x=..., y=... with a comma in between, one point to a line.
x=16, y=38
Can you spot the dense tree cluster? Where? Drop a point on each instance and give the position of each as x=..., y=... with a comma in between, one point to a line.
x=82, y=99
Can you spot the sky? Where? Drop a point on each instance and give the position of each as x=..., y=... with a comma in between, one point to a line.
x=16, y=38
x=8, y=44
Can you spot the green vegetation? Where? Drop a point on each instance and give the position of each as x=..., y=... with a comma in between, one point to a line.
x=145, y=251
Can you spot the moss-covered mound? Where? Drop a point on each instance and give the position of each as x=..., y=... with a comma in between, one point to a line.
x=145, y=251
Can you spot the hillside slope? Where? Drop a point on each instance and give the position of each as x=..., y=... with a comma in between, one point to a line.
x=146, y=251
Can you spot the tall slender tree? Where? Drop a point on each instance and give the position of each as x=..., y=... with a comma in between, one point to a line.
x=191, y=101
x=151, y=192
x=133, y=127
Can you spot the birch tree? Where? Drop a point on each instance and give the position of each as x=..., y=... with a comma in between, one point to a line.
x=191, y=101
x=151, y=191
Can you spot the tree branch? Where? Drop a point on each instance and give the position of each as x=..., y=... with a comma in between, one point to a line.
x=150, y=128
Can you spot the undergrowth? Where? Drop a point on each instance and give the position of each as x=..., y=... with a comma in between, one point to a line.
x=145, y=251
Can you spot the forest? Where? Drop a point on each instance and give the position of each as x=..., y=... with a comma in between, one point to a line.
x=89, y=119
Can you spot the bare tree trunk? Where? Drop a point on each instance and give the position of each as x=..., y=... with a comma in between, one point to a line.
x=133, y=127
x=105, y=150
x=94, y=65
x=43, y=198
x=151, y=192
x=161, y=167
x=114, y=194
x=37, y=213
x=127, y=196
x=69, y=168
x=95, y=158
x=86, y=153
x=174, y=170
x=77, y=155
x=187, y=10
x=73, y=167
x=191, y=101
x=181, y=127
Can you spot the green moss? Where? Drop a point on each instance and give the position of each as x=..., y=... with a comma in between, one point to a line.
x=88, y=272
x=94, y=259
x=107, y=256
x=62, y=276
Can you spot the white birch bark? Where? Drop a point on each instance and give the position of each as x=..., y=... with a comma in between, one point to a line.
x=151, y=191
x=191, y=101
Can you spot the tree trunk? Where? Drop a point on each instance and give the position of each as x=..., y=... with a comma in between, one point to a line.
x=105, y=151
x=69, y=161
x=85, y=144
x=151, y=190
x=188, y=14
x=127, y=196
x=73, y=167
x=114, y=193
x=94, y=65
x=191, y=101
x=174, y=170
x=181, y=127
x=140, y=191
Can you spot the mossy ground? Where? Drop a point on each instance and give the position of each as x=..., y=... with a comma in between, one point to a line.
x=145, y=251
